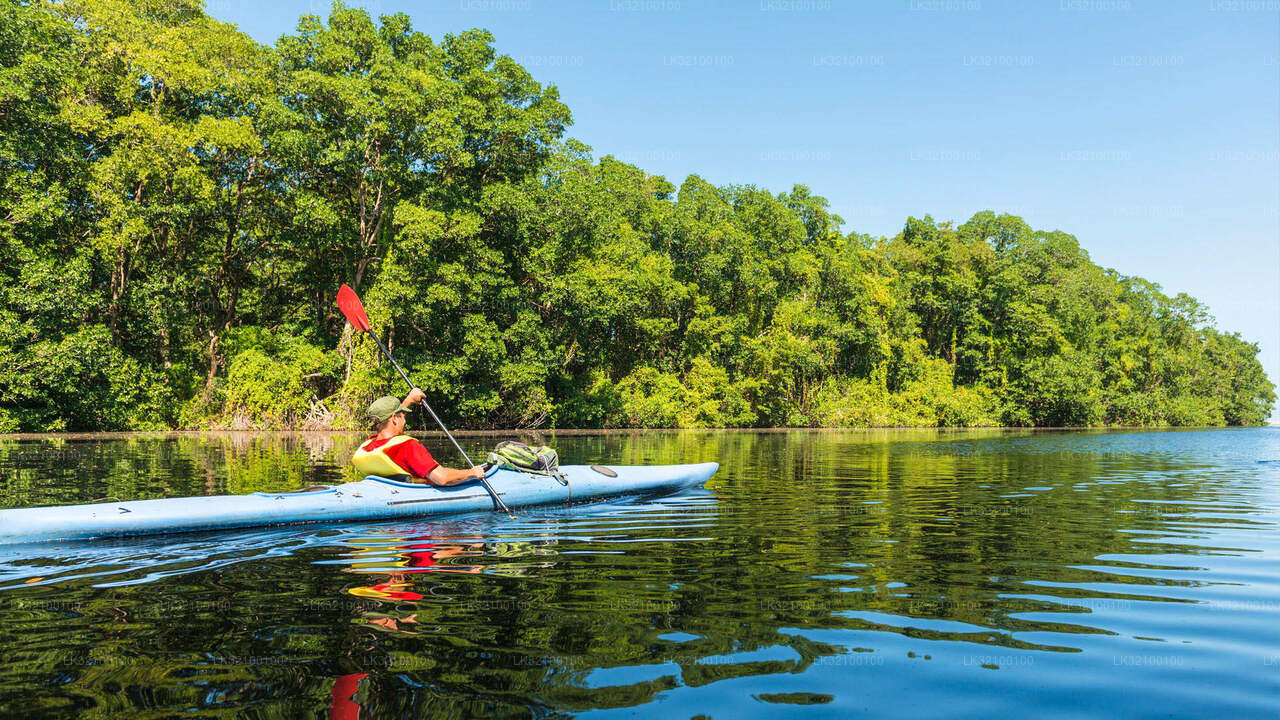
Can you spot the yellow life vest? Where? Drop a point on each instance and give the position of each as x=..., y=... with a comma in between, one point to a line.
x=376, y=461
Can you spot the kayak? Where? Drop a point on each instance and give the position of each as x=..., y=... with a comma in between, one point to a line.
x=374, y=498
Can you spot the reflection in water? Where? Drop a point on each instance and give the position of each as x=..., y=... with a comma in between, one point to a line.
x=342, y=704
x=902, y=573
x=422, y=553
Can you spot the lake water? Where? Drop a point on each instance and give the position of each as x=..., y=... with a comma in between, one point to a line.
x=980, y=574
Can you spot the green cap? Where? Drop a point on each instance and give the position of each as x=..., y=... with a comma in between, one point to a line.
x=384, y=407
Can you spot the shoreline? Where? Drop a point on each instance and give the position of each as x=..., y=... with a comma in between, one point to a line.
x=164, y=434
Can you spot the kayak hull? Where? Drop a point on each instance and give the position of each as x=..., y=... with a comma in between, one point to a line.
x=373, y=498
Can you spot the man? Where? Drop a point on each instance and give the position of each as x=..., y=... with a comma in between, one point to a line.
x=391, y=453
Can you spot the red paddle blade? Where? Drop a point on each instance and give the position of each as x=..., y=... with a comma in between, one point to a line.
x=352, y=309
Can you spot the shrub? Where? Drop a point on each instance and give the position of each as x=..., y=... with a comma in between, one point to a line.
x=274, y=382
x=650, y=399
x=712, y=399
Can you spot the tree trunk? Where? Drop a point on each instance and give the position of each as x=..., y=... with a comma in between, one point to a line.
x=213, y=364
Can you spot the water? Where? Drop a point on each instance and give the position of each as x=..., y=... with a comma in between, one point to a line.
x=819, y=574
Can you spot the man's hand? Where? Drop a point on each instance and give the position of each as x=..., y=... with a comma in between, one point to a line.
x=477, y=471
x=413, y=398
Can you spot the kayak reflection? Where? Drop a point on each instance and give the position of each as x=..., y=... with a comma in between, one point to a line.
x=358, y=548
x=400, y=554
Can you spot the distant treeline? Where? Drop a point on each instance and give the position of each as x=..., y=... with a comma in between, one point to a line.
x=181, y=203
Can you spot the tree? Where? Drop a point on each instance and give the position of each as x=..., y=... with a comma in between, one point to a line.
x=180, y=203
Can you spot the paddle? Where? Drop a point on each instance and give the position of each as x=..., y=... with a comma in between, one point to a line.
x=351, y=307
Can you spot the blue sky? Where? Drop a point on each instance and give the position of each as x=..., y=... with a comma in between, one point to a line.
x=1149, y=130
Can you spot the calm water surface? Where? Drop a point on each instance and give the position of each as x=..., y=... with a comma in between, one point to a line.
x=890, y=574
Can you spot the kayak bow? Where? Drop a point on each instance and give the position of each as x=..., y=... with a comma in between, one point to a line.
x=374, y=498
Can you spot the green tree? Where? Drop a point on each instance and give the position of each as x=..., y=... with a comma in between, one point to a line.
x=180, y=203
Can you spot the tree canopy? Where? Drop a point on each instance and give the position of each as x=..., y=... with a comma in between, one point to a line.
x=181, y=203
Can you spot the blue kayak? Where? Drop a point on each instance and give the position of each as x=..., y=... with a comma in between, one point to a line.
x=374, y=498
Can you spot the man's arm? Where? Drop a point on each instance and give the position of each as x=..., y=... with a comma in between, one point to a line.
x=444, y=476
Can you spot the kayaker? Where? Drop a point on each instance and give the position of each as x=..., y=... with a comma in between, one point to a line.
x=390, y=453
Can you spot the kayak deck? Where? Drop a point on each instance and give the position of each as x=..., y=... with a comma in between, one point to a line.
x=373, y=498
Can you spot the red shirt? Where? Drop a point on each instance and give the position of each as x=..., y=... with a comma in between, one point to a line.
x=410, y=455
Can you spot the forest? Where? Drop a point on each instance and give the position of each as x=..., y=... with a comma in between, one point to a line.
x=180, y=204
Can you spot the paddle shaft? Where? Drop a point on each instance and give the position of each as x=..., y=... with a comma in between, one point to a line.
x=492, y=493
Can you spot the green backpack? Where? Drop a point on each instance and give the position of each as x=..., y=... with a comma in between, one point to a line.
x=523, y=458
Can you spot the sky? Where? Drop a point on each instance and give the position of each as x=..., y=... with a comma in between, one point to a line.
x=1149, y=130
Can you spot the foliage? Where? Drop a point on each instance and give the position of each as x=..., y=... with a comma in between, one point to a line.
x=273, y=381
x=181, y=203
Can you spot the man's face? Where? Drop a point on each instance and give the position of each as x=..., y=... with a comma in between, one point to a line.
x=397, y=421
